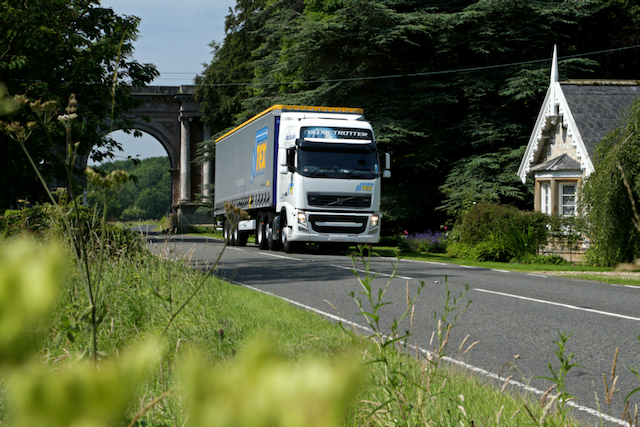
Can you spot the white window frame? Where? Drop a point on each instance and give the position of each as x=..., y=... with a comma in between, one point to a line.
x=545, y=198
x=562, y=195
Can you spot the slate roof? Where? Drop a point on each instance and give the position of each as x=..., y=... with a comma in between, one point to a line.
x=562, y=162
x=598, y=105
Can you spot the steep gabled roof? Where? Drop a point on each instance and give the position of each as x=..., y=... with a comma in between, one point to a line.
x=587, y=109
x=598, y=105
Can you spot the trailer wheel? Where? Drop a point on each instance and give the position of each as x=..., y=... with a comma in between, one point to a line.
x=261, y=232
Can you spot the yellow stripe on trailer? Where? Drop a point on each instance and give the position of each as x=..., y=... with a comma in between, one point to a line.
x=296, y=108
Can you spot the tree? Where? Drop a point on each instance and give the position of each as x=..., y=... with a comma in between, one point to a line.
x=148, y=195
x=607, y=201
x=50, y=49
x=220, y=90
x=432, y=78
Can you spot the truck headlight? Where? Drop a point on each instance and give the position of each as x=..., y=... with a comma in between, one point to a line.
x=375, y=220
x=302, y=219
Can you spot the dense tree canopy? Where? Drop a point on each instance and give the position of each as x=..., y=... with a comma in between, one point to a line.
x=148, y=196
x=50, y=49
x=452, y=88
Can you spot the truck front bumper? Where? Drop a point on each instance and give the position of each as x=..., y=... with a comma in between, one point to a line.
x=321, y=227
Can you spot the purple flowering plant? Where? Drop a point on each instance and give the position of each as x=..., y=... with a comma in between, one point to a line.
x=425, y=242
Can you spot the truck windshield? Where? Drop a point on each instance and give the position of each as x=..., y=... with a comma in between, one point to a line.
x=335, y=162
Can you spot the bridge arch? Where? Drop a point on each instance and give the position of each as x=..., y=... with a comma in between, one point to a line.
x=159, y=134
x=172, y=116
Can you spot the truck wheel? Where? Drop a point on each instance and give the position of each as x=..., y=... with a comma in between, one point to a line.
x=273, y=238
x=287, y=245
x=261, y=232
x=226, y=231
x=235, y=236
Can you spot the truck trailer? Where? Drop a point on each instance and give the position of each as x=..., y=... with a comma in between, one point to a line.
x=304, y=175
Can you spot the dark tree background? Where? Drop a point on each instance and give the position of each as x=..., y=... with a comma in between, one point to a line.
x=50, y=49
x=452, y=88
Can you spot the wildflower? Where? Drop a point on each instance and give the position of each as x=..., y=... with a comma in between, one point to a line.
x=67, y=117
x=21, y=100
x=72, y=106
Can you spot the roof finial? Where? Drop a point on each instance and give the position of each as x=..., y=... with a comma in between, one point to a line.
x=554, y=66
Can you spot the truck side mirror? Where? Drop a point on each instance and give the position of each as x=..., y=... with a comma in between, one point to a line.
x=387, y=165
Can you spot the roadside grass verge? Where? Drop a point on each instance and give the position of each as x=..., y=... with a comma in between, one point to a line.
x=389, y=251
x=141, y=293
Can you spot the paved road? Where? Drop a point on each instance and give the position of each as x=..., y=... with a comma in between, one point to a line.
x=514, y=316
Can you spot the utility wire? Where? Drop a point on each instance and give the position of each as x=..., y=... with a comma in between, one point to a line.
x=396, y=76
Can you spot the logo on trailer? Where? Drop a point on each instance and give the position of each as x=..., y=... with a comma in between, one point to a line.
x=259, y=153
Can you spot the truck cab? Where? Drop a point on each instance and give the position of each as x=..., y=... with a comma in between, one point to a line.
x=329, y=181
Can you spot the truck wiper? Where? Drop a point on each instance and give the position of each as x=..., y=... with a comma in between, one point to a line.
x=359, y=172
x=317, y=171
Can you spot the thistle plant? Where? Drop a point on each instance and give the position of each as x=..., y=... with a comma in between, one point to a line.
x=558, y=378
x=391, y=343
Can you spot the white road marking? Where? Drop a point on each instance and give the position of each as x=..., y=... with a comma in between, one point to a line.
x=572, y=307
x=501, y=271
x=536, y=275
x=468, y=366
x=280, y=256
x=373, y=273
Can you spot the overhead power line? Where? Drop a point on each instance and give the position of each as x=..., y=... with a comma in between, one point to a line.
x=396, y=76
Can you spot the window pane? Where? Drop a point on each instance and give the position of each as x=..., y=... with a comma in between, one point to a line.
x=568, y=199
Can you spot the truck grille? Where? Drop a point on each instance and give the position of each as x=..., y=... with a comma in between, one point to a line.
x=338, y=200
x=338, y=224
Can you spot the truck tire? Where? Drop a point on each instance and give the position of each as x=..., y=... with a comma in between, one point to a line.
x=226, y=231
x=235, y=236
x=273, y=240
x=261, y=231
x=287, y=245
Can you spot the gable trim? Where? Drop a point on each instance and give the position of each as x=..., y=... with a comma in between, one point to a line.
x=554, y=97
x=572, y=132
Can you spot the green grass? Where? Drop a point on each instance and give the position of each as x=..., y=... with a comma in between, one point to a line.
x=139, y=295
x=392, y=252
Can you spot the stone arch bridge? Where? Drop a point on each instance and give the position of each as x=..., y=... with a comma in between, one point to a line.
x=172, y=116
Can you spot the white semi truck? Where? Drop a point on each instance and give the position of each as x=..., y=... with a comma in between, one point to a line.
x=304, y=175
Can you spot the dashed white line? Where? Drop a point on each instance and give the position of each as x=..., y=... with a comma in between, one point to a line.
x=501, y=271
x=572, y=307
x=370, y=272
x=280, y=256
x=536, y=275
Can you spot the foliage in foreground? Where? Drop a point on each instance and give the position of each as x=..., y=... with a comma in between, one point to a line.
x=155, y=381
